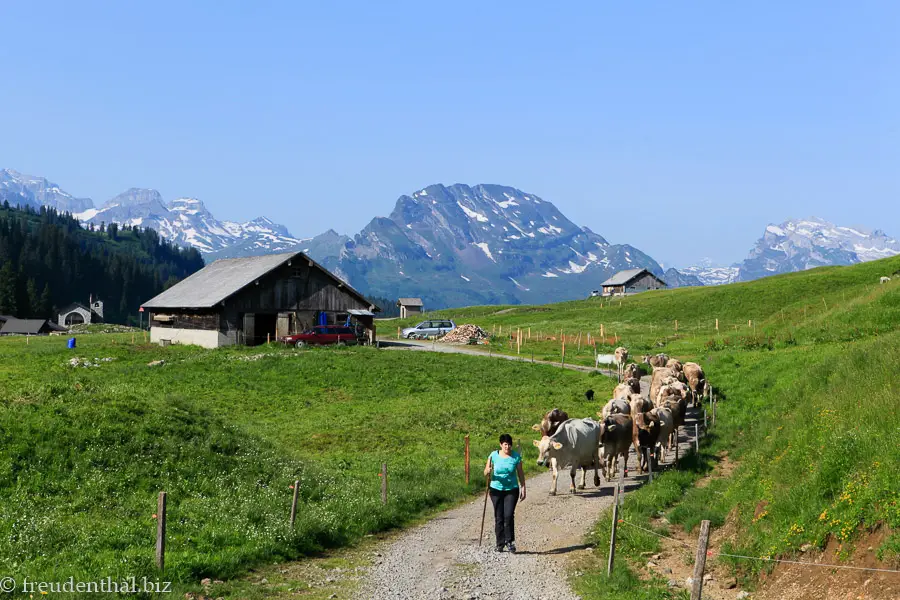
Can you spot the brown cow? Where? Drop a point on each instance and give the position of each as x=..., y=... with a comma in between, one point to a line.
x=696, y=380
x=644, y=435
x=634, y=371
x=629, y=386
x=615, y=438
x=550, y=423
x=621, y=355
x=661, y=376
x=657, y=360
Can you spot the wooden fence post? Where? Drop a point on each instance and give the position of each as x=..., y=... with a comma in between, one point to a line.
x=676, y=324
x=294, y=501
x=161, y=531
x=700, y=561
x=676, y=446
x=384, y=483
x=717, y=324
x=602, y=337
x=612, y=535
x=697, y=438
x=649, y=463
x=467, y=459
x=705, y=426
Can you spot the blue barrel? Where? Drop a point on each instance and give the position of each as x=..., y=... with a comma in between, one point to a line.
x=71, y=343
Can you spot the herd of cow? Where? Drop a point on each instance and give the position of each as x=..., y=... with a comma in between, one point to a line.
x=650, y=424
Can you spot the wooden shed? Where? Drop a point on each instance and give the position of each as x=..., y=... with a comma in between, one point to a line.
x=410, y=307
x=632, y=281
x=254, y=299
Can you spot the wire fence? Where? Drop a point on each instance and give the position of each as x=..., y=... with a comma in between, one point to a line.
x=713, y=553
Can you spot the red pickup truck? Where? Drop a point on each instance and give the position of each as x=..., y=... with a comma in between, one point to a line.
x=321, y=335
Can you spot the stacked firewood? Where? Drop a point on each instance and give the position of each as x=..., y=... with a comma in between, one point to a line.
x=464, y=334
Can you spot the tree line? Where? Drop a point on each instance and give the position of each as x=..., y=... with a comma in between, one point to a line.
x=48, y=261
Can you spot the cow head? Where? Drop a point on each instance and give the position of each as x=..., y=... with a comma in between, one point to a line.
x=546, y=448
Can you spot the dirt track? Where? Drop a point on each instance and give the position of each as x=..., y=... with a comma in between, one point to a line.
x=442, y=559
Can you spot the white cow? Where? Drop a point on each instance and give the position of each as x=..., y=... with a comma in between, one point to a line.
x=885, y=279
x=614, y=407
x=576, y=444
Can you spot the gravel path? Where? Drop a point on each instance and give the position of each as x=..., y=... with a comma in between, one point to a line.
x=442, y=559
x=462, y=349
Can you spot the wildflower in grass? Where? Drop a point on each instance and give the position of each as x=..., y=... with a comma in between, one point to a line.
x=824, y=515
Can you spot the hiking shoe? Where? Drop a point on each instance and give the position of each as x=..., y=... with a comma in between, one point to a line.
x=499, y=548
x=511, y=547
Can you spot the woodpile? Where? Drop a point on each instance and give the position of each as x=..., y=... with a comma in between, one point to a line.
x=465, y=334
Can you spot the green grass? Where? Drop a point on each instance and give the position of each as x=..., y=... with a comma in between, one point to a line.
x=84, y=451
x=809, y=408
x=808, y=391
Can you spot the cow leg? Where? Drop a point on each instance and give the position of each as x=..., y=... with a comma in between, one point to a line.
x=572, y=470
x=554, y=473
x=583, y=476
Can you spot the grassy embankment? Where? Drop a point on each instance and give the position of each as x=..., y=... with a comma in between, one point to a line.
x=810, y=398
x=84, y=451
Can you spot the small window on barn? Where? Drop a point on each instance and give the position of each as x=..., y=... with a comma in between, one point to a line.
x=297, y=272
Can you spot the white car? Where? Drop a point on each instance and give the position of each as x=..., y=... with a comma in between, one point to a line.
x=427, y=329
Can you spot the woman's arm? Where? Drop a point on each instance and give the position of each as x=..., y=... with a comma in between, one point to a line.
x=487, y=467
x=521, y=474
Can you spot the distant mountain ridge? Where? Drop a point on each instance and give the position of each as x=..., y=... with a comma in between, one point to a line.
x=458, y=244
x=800, y=244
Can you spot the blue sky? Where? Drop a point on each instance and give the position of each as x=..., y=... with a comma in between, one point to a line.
x=682, y=128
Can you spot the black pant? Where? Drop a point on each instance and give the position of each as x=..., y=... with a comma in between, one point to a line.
x=504, y=514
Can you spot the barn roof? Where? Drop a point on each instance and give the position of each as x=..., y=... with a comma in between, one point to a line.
x=23, y=326
x=623, y=277
x=217, y=281
x=410, y=302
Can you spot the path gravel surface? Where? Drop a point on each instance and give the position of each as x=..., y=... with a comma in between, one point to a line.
x=443, y=560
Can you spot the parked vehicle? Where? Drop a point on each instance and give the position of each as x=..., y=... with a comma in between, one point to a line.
x=322, y=335
x=427, y=329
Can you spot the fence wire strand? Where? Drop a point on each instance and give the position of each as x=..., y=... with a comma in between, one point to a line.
x=760, y=558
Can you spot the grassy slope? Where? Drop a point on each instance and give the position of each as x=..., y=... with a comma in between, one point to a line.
x=810, y=397
x=84, y=451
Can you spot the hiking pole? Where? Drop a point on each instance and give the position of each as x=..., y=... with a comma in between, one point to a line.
x=487, y=488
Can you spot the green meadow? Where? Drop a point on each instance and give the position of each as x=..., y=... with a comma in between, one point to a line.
x=84, y=451
x=804, y=365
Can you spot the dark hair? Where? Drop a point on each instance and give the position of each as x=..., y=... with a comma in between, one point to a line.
x=505, y=437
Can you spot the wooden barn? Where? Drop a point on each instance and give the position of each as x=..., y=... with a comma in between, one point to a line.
x=410, y=307
x=632, y=281
x=251, y=300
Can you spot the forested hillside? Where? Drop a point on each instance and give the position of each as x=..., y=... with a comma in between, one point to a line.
x=47, y=261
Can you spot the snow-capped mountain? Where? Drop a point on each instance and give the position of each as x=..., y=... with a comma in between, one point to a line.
x=26, y=190
x=710, y=273
x=456, y=245
x=186, y=221
x=797, y=245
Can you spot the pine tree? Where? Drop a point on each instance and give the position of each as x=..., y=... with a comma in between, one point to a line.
x=33, y=299
x=45, y=307
x=7, y=290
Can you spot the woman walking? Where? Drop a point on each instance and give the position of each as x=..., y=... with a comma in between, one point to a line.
x=507, y=487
